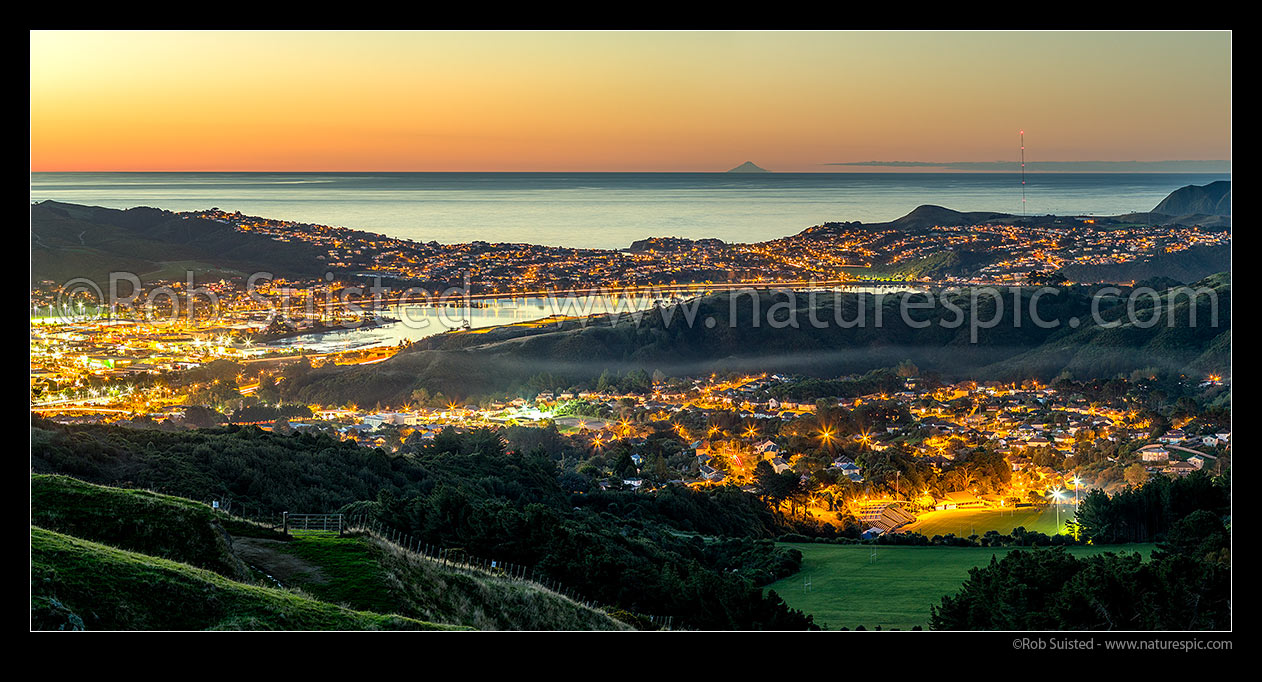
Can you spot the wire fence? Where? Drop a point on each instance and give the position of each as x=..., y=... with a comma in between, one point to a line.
x=460, y=560
x=455, y=559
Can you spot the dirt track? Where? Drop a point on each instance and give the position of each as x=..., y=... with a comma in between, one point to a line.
x=269, y=557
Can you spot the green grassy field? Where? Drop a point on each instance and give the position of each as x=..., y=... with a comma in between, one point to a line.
x=849, y=587
x=966, y=522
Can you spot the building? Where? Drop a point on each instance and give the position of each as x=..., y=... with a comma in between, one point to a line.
x=1154, y=454
x=882, y=515
x=960, y=500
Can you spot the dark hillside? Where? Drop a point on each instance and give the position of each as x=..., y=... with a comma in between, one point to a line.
x=69, y=241
x=773, y=332
x=1211, y=199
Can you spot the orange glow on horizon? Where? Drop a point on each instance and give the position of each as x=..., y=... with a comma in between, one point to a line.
x=616, y=101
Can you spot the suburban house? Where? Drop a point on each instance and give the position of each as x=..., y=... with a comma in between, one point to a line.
x=1173, y=436
x=711, y=474
x=1199, y=461
x=1179, y=468
x=1152, y=454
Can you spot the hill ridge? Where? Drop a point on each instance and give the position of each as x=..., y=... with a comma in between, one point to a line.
x=72, y=240
x=476, y=364
x=1213, y=199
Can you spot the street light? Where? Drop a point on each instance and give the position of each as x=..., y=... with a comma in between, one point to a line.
x=826, y=435
x=1056, y=495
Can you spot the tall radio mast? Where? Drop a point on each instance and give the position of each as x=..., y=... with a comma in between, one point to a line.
x=1022, y=173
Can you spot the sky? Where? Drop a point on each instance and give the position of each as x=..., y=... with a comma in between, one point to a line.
x=620, y=101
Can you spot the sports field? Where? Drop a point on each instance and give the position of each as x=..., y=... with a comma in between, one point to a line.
x=966, y=522
x=889, y=586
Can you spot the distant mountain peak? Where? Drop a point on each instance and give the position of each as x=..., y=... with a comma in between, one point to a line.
x=749, y=167
x=1212, y=199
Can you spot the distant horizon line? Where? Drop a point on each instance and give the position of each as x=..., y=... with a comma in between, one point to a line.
x=1163, y=166
x=890, y=167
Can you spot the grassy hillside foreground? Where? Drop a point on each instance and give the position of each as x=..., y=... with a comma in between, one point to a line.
x=142, y=521
x=78, y=584
x=119, y=559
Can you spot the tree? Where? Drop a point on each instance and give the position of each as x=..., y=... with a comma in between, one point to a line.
x=1200, y=535
x=202, y=417
x=1048, y=589
x=906, y=369
x=624, y=466
x=1135, y=474
x=267, y=389
x=775, y=487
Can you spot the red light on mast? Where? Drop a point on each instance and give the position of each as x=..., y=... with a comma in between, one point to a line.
x=1022, y=132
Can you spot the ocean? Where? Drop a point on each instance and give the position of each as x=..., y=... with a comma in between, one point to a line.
x=607, y=210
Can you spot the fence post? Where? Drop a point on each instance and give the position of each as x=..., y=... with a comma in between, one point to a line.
x=284, y=521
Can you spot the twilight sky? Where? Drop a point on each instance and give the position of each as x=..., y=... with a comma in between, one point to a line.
x=620, y=101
